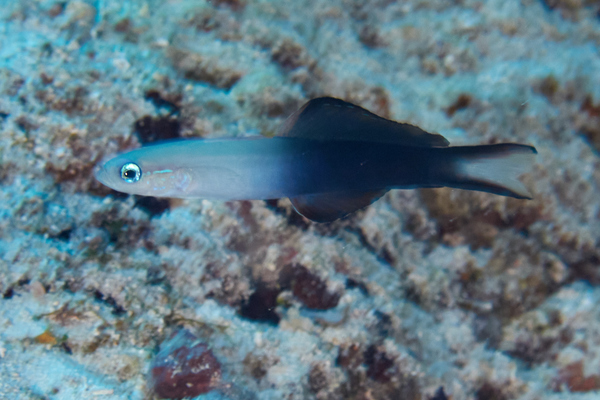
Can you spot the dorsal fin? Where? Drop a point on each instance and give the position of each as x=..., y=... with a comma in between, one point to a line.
x=327, y=118
x=328, y=207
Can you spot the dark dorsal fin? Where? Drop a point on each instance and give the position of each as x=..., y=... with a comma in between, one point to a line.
x=327, y=118
x=328, y=207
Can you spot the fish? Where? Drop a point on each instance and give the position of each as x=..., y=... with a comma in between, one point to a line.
x=330, y=158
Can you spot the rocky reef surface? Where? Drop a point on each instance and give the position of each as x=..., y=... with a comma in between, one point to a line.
x=426, y=294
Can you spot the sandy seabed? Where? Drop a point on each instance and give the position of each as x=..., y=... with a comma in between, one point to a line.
x=426, y=294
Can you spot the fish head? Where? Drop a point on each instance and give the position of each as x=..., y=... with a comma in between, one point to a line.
x=138, y=173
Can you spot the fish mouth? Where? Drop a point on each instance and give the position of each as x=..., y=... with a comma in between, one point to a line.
x=100, y=173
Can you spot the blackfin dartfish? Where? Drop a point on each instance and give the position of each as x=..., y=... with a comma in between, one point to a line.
x=330, y=158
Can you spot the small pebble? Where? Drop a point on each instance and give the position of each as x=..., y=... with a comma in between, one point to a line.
x=184, y=367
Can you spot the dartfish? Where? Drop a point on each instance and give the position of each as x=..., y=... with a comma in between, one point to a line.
x=330, y=158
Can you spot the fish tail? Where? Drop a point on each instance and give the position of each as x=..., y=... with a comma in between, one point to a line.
x=490, y=168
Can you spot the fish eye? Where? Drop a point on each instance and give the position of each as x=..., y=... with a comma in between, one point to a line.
x=131, y=172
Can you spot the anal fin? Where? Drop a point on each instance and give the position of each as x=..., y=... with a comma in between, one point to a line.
x=327, y=207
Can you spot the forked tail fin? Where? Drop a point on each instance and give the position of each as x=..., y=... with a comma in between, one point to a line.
x=491, y=168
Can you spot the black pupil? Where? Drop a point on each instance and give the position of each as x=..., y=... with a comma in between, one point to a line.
x=129, y=174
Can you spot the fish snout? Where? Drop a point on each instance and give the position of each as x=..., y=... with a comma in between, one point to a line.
x=101, y=174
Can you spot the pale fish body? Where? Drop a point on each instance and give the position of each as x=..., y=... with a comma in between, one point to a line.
x=215, y=169
x=330, y=158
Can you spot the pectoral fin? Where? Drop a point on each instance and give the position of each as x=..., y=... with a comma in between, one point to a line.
x=328, y=207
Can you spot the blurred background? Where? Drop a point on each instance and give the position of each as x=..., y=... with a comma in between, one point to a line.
x=426, y=294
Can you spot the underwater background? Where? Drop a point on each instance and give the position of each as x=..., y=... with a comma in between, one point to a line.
x=426, y=294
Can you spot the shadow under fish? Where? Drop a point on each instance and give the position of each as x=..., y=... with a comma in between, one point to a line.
x=330, y=158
